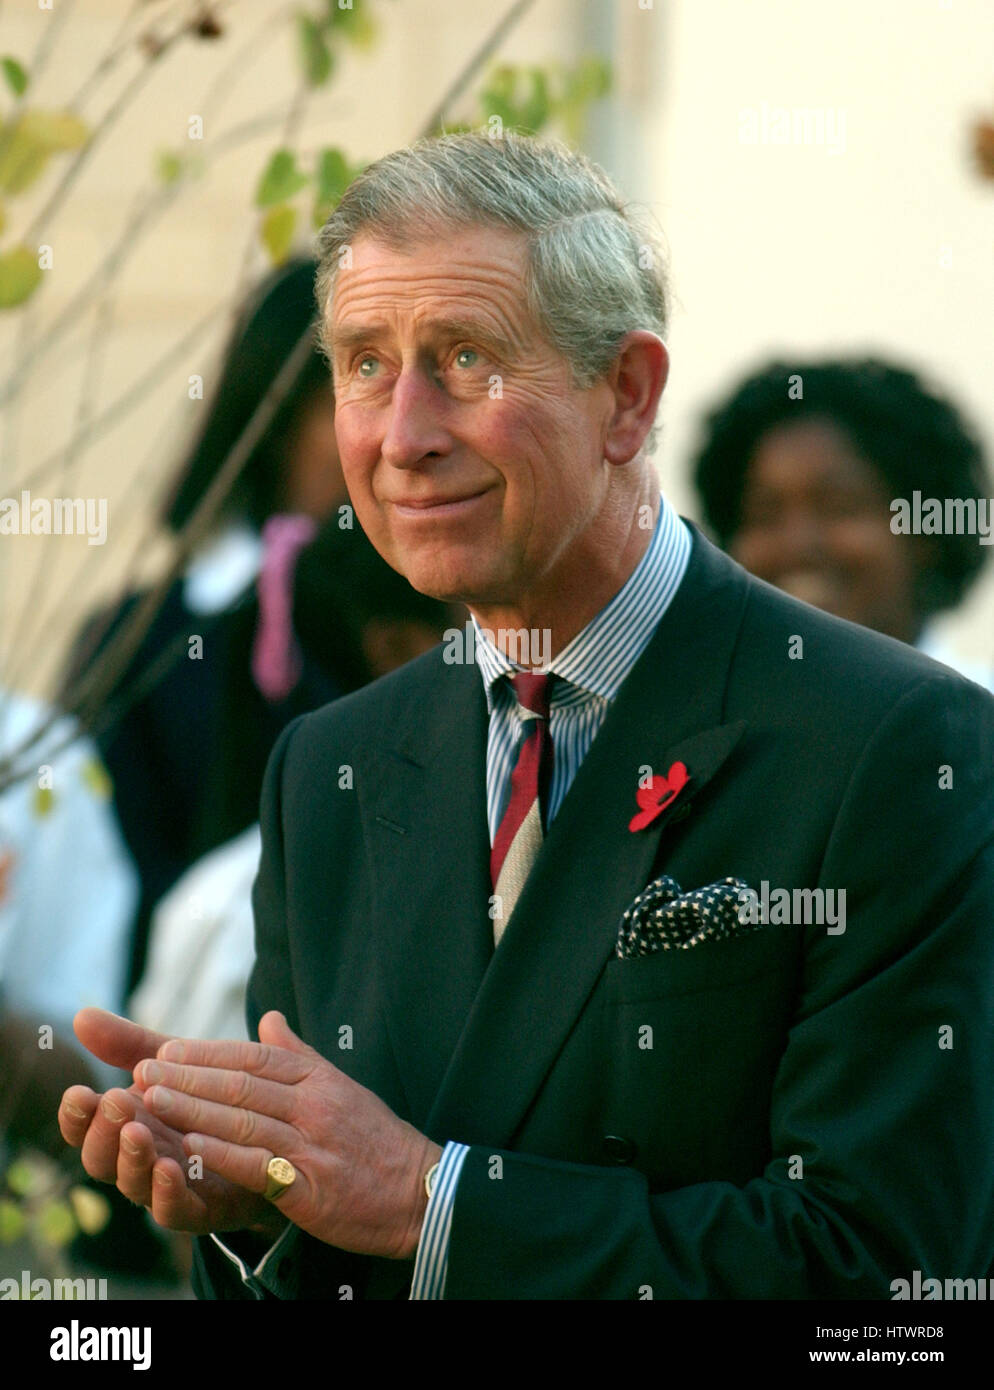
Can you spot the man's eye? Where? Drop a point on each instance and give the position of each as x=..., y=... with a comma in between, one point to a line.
x=467, y=357
x=367, y=366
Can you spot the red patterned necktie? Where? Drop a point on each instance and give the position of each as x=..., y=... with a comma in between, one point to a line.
x=519, y=835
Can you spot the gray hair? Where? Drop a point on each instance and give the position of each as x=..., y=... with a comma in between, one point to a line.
x=593, y=275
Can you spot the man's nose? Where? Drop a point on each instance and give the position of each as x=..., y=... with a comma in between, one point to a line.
x=416, y=424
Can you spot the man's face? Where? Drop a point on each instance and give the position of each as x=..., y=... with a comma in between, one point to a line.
x=473, y=463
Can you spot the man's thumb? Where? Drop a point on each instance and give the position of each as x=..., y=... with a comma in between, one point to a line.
x=116, y=1040
x=274, y=1030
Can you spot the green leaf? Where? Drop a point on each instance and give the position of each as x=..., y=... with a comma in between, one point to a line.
x=496, y=99
x=91, y=1209
x=168, y=166
x=56, y=130
x=55, y=1224
x=519, y=96
x=356, y=25
x=22, y=159
x=588, y=81
x=25, y=148
x=3, y=217
x=315, y=55
x=533, y=110
x=277, y=232
x=20, y=276
x=582, y=85
x=332, y=177
x=333, y=174
x=23, y=1177
x=281, y=179
x=12, y=1222
x=339, y=16
x=17, y=77
x=529, y=98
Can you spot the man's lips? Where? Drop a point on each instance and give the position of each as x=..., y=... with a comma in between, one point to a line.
x=437, y=506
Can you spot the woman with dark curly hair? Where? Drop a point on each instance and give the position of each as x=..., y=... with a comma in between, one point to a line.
x=800, y=472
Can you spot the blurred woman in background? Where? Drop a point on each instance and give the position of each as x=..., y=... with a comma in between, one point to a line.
x=796, y=473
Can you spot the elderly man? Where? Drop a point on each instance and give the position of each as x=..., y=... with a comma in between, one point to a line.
x=661, y=968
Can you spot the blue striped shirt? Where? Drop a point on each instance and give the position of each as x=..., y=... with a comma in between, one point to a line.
x=591, y=668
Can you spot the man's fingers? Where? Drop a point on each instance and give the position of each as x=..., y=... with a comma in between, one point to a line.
x=244, y=1166
x=79, y=1105
x=135, y=1160
x=274, y=1063
x=244, y=1127
x=103, y=1137
x=174, y=1204
x=236, y=1088
x=116, y=1040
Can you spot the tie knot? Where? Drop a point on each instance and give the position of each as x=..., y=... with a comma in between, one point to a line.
x=533, y=692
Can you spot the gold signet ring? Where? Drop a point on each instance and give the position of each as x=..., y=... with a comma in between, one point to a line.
x=280, y=1174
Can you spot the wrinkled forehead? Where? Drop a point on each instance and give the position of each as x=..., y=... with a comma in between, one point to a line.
x=473, y=271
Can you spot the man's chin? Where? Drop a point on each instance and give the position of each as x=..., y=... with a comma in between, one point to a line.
x=453, y=585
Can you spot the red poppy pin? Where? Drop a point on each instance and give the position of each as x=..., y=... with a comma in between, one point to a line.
x=655, y=798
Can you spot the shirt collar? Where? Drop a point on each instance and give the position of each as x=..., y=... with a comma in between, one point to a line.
x=600, y=656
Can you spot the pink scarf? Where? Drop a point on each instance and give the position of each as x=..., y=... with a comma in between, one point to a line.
x=277, y=662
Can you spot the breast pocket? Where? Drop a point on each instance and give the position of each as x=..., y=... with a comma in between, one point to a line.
x=709, y=965
x=694, y=1038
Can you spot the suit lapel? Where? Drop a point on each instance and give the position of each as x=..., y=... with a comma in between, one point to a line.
x=424, y=818
x=591, y=865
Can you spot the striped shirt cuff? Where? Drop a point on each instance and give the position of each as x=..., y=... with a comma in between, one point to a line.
x=432, y=1261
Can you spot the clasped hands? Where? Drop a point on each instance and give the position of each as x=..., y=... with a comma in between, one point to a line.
x=360, y=1168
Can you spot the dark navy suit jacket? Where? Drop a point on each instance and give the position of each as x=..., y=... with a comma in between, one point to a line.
x=800, y=1126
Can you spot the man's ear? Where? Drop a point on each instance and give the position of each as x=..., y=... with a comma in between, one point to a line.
x=637, y=378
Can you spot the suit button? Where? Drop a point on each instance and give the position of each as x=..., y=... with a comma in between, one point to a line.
x=617, y=1149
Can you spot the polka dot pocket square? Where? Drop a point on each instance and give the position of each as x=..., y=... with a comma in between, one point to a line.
x=664, y=918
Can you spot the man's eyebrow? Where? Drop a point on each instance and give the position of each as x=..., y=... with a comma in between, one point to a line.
x=475, y=331
x=356, y=335
x=348, y=337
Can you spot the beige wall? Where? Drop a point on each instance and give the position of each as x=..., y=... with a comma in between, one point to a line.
x=887, y=245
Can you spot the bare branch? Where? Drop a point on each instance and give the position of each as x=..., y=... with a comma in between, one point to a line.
x=50, y=34
x=489, y=46
x=129, y=399
x=94, y=687
x=89, y=693
x=41, y=582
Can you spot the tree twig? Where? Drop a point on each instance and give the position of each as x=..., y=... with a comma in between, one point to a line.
x=86, y=696
x=489, y=46
x=39, y=62
x=129, y=398
x=40, y=585
x=95, y=687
